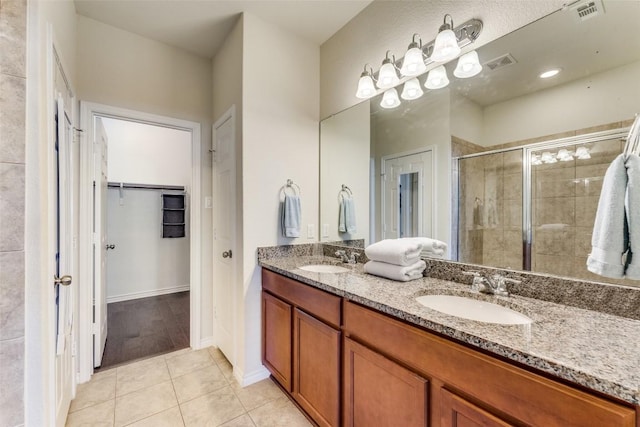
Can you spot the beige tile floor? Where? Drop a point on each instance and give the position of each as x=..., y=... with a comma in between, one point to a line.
x=184, y=388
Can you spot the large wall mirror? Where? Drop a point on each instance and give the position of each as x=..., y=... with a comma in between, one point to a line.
x=506, y=166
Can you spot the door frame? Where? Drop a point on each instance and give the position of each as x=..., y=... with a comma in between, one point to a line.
x=89, y=110
x=230, y=114
x=434, y=188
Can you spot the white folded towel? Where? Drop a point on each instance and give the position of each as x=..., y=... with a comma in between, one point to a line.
x=430, y=247
x=610, y=234
x=396, y=272
x=291, y=216
x=632, y=211
x=394, y=251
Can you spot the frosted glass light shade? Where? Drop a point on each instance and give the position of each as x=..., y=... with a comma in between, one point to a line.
x=582, y=153
x=387, y=78
x=437, y=78
x=413, y=63
x=468, y=65
x=411, y=90
x=547, y=157
x=564, y=155
x=445, y=47
x=366, y=88
x=390, y=99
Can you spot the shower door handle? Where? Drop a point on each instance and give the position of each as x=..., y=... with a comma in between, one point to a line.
x=110, y=247
x=227, y=254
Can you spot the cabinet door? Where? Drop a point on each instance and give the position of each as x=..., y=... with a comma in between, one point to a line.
x=457, y=412
x=316, y=373
x=276, y=338
x=379, y=392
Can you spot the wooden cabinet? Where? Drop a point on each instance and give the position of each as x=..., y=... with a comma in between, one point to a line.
x=276, y=340
x=458, y=412
x=302, y=344
x=316, y=368
x=349, y=365
x=379, y=392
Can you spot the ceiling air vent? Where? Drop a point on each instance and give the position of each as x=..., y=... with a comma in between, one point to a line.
x=501, y=61
x=587, y=9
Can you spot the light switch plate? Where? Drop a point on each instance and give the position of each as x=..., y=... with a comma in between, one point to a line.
x=208, y=202
x=311, y=231
x=325, y=230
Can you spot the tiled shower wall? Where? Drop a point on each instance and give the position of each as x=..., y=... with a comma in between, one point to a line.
x=12, y=209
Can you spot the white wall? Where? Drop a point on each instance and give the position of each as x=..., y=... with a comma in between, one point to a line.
x=466, y=118
x=122, y=69
x=147, y=154
x=602, y=98
x=345, y=154
x=389, y=25
x=280, y=142
x=143, y=264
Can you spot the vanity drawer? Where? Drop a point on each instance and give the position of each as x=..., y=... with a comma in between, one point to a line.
x=314, y=301
x=509, y=391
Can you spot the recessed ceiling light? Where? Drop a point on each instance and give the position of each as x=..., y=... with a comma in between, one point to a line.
x=550, y=73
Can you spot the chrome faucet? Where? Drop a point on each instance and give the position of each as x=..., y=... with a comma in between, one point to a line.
x=351, y=258
x=342, y=254
x=495, y=284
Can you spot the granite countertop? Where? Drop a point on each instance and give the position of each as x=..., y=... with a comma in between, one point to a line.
x=596, y=350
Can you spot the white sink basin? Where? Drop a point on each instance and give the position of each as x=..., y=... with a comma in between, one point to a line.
x=324, y=268
x=473, y=309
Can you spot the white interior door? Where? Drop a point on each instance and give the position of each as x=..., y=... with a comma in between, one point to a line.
x=224, y=225
x=100, y=185
x=64, y=293
x=393, y=168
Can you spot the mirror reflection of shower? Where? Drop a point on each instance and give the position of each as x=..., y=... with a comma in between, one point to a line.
x=533, y=207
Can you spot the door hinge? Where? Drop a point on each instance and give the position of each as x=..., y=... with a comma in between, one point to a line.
x=215, y=313
x=95, y=238
x=94, y=328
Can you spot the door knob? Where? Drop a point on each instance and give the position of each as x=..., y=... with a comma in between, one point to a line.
x=111, y=247
x=64, y=280
x=227, y=254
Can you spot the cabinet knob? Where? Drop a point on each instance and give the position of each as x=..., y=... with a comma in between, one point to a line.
x=110, y=247
x=227, y=254
x=64, y=280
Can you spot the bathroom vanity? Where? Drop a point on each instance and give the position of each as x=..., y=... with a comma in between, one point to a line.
x=353, y=349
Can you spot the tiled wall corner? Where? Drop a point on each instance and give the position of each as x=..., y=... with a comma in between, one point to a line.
x=12, y=209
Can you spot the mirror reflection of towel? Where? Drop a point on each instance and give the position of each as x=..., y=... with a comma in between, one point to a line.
x=291, y=216
x=347, y=216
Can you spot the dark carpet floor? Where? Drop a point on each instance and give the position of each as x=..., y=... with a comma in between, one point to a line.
x=145, y=327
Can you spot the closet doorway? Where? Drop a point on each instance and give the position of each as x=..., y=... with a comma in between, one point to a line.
x=147, y=247
x=145, y=218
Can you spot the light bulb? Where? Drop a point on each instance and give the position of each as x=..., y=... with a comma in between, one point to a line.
x=468, y=65
x=445, y=47
x=387, y=77
x=366, y=88
x=411, y=89
x=413, y=63
x=437, y=78
x=390, y=99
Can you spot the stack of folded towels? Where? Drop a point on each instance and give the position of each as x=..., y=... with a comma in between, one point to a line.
x=395, y=259
x=431, y=248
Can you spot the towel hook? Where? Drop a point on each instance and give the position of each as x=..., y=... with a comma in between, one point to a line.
x=633, y=140
x=293, y=186
x=344, y=190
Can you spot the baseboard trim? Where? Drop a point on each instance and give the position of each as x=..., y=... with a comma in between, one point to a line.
x=252, y=377
x=206, y=342
x=146, y=294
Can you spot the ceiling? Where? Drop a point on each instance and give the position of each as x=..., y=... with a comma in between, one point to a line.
x=200, y=26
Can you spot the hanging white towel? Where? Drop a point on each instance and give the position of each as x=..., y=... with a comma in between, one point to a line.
x=394, y=251
x=610, y=233
x=402, y=273
x=632, y=211
x=347, y=215
x=291, y=216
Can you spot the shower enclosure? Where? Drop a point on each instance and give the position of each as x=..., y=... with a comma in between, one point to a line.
x=533, y=207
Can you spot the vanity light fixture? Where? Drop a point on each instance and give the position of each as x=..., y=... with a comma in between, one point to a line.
x=550, y=73
x=468, y=65
x=388, y=77
x=548, y=157
x=536, y=160
x=413, y=62
x=446, y=45
x=437, y=78
x=583, y=153
x=411, y=89
x=366, y=88
x=564, y=155
x=390, y=99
